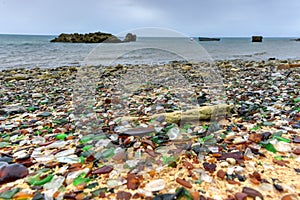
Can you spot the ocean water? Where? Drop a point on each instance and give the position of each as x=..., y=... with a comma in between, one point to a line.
x=37, y=51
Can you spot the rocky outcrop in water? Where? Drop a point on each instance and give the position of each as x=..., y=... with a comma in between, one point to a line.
x=130, y=37
x=257, y=38
x=97, y=37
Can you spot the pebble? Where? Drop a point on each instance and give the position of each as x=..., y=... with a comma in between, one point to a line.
x=221, y=174
x=231, y=161
x=12, y=172
x=239, y=140
x=282, y=146
x=103, y=170
x=205, y=177
x=3, y=164
x=173, y=133
x=296, y=139
x=209, y=167
x=122, y=195
x=224, y=164
x=44, y=114
x=133, y=182
x=240, y=196
x=184, y=183
x=68, y=159
x=248, y=153
x=72, y=175
x=55, y=183
x=12, y=110
x=155, y=185
x=65, y=153
x=252, y=192
x=57, y=144
x=6, y=159
x=37, y=95
x=289, y=197
x=297, y=151
x=142, y=131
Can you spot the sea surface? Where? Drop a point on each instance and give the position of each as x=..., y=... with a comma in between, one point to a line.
x=31, y=51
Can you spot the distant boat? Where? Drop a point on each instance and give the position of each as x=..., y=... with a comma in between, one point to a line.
x=208, y=39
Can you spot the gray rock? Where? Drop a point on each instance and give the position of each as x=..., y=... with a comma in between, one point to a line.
x=130, y=37
x=12, y=110
x=44, y=114
x=257, y=38
x=96, y=37
x=139, y=131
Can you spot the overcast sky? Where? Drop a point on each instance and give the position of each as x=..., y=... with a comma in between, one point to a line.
x=191, y=17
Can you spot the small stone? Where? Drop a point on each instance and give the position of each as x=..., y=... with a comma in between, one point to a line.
x=296, y=139
x=155, y=185
x=183, y=183
x=72, y=175
x=9, y=194
x=209, y=167
x=139, y=131
x=252, y=192
x=12, y=110
x=240, y=196
x=43, y=114
x=221, y=174
x=133, y=181
x=224, y=164
x=254, y=137
x=278, y=187
x=103, y=170
x=161, y=118
x=132, y=163
x=3, y=164
x=296, y=126
x=289, y=197
x=248, y=153
x=38, y=196
x=112, y=183
x=6, y=159
x=65, y=153
x=37, y=95
x=68, y=159
x=297, y=151
x=61, y=136
x=205, y=177
x=57, y=144
x=12, y=172
x=173, y=133
x=121, y=195
x=238, y=140
x=55, y=183
x=231, y=161
x=283, y=146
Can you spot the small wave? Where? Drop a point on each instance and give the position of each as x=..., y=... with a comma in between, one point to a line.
x=243, y=55
x=260, y=53
x=26, y=44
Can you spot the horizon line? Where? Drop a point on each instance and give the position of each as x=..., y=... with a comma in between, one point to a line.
x=212, y=36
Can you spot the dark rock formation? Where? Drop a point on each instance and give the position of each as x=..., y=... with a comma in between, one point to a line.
x=208, y=39
x=130, y=37
x=257, y=38
x=97, y=37
x=298, y=39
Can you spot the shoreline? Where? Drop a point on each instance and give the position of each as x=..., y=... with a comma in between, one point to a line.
x=271, y=60
x=70, y=142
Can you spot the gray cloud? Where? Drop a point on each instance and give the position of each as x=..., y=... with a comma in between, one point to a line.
x=192, y=17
